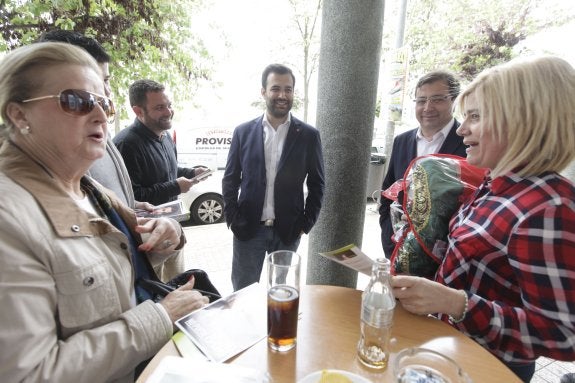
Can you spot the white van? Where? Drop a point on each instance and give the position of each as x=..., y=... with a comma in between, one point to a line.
x=207, y=146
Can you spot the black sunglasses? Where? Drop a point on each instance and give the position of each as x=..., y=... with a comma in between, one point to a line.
x=78, y=102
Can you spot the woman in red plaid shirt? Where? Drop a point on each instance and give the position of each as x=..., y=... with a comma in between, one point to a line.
x=508, y=277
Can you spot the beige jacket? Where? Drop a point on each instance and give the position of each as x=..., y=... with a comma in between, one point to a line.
x=66, y=284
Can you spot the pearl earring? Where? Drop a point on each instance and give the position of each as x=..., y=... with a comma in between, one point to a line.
x=25, y=130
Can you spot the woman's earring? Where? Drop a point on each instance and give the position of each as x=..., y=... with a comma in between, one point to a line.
x=25, y=130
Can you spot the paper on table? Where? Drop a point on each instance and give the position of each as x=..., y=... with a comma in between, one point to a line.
x=352, y=257
x=229, y=325
x=173, y=369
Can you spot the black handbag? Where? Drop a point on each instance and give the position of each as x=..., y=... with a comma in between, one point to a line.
x=202, y=284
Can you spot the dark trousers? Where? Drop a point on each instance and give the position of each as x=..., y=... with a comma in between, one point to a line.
x=523, y=371
x=249, y=256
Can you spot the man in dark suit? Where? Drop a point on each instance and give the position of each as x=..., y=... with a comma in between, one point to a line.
x=269, y=160
x=435, y=94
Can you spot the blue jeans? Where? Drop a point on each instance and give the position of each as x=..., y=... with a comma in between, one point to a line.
x=249, y=255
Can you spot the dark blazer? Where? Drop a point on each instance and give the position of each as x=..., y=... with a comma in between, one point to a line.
x=244, y=181
x=404, y=150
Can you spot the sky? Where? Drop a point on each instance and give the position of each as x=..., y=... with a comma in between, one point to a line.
x=244, y=37
x=556, y=41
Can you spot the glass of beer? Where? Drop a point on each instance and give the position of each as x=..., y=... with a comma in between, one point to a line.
x=283, y=299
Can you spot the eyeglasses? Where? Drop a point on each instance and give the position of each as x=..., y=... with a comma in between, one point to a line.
x=433, y=100
x=78, y=102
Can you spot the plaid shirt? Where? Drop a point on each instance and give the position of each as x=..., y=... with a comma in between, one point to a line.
x=512, y=249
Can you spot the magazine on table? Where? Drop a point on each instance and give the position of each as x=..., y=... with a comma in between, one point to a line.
x=230, y=325
x=352, y=257
x=173, y=209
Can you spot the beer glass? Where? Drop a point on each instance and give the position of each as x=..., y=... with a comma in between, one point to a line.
x=283, y=268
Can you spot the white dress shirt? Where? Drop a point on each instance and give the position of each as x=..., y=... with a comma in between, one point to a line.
x=426, y=146
x=274, y=141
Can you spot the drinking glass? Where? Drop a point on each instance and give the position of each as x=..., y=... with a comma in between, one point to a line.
x=417, y=365
x=283, y=268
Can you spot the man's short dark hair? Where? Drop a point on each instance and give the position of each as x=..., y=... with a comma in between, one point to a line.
x=140, y=88
x=89, y=44
x=277, y=69
x=444, y=76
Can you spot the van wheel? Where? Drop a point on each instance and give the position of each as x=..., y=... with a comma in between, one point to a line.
x=207, y=209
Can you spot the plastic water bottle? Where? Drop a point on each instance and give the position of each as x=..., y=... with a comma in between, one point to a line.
x=377, y=306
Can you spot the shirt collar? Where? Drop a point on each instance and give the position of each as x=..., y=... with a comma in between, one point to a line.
x=442, y=133
x=500, y=184
x=267, y=124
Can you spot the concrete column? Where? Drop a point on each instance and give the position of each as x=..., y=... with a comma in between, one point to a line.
x=350, y=56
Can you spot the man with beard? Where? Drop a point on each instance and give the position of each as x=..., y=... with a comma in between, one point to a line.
x=148, y=150
x=269, y=160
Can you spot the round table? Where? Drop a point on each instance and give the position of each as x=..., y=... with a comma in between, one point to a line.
x=328, y=332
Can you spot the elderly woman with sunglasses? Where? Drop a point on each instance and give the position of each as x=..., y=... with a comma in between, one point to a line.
x=508, y=277
x=69, y=252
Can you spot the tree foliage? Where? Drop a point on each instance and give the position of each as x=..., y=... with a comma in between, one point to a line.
x=145, y=38
x=468, y=36
x=495, y=46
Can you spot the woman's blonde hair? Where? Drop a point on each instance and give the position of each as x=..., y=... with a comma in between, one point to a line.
x=530, y=104
x=21, y=71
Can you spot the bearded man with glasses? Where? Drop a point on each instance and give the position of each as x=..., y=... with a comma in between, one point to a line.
x=435, y=94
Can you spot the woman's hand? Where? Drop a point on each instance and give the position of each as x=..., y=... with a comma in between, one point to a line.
x=422, y=296
x=183, y=301
x=164, y=234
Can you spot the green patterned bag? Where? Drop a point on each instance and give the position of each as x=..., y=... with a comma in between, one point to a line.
x=432, y=190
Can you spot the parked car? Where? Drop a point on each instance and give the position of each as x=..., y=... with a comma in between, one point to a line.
x=205, y=202
x=376, y=172
x=377, y=155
